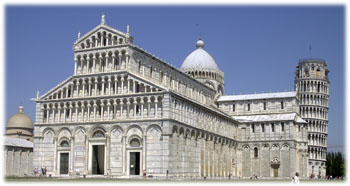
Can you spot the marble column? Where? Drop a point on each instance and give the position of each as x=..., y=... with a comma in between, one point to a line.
x=93, y=64
x=103, y=87
x=108, y=110
x=88, y=113
x=59, y=113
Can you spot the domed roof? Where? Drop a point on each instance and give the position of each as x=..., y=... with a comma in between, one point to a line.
x=19, y=120
x=199, y=59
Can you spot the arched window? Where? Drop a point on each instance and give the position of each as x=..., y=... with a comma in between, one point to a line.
x=135, y=142
x=98, y=134
x=64, y=143
x=256, y=152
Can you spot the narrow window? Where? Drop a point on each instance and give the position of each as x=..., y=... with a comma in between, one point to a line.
x=262, y=127
x=265, y=106
x=139, y=66
x=234, y=108
x=282, y=105
x=137, y=88
x=272, y=127
x=137, y=109
x=151, y=71
x=161, y=77
x=282, y=127
x=248, y=106
x=45, y=115
x=256, y=152
x=253, y=128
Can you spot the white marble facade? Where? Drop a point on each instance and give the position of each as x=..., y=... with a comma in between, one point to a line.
x=125, y=112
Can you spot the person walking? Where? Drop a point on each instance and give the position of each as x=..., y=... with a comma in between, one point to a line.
x=296, y=178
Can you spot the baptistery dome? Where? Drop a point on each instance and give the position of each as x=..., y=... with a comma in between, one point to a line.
x=199, y=59
x=19, y=120
x=20, y=126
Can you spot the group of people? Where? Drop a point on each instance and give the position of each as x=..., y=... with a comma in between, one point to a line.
x=38, y=172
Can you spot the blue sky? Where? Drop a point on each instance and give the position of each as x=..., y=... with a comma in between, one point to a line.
x=257, y=47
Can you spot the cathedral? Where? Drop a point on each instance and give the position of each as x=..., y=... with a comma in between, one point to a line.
x=127, y=113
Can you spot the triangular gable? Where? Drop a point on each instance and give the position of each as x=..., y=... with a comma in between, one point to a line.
x=99, y=32
x=70, y=80
x=55, y=89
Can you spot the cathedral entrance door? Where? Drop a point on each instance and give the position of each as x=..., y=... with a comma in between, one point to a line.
x=275, y=172
x=64, y=160
x=134, y=163
x=98, y=159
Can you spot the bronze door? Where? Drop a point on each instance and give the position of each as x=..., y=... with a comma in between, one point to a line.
x=64, y=161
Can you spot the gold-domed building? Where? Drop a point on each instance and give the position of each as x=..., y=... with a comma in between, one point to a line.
x=20, y=126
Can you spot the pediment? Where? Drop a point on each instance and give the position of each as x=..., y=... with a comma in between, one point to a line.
x=63, y=89
x=101, y=36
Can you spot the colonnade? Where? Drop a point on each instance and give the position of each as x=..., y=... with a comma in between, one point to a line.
x=115, y=60
x=318, y=153
x=102, y=86
x=317, y=140
x=102, y=39
x=101, y=62
x=313, y=86
x=139, y=107
x=306, y=99
x=318, y=126
x=314, y=112
x=206, y=74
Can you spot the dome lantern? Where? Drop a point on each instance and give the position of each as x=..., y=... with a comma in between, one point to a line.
x=200, y=43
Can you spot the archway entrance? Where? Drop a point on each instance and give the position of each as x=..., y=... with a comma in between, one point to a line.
x=98, y=159
x=134, y=163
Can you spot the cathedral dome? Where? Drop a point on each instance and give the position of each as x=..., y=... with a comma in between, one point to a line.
x=199, y=59
x=20, y=120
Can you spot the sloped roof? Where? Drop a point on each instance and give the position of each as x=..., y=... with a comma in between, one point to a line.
x=16, y=142
x=269, y=117
x=257, y=96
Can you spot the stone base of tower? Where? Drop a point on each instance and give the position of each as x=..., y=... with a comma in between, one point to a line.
x=317, y=169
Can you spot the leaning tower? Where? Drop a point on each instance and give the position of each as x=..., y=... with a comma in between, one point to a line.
x=312, y=85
